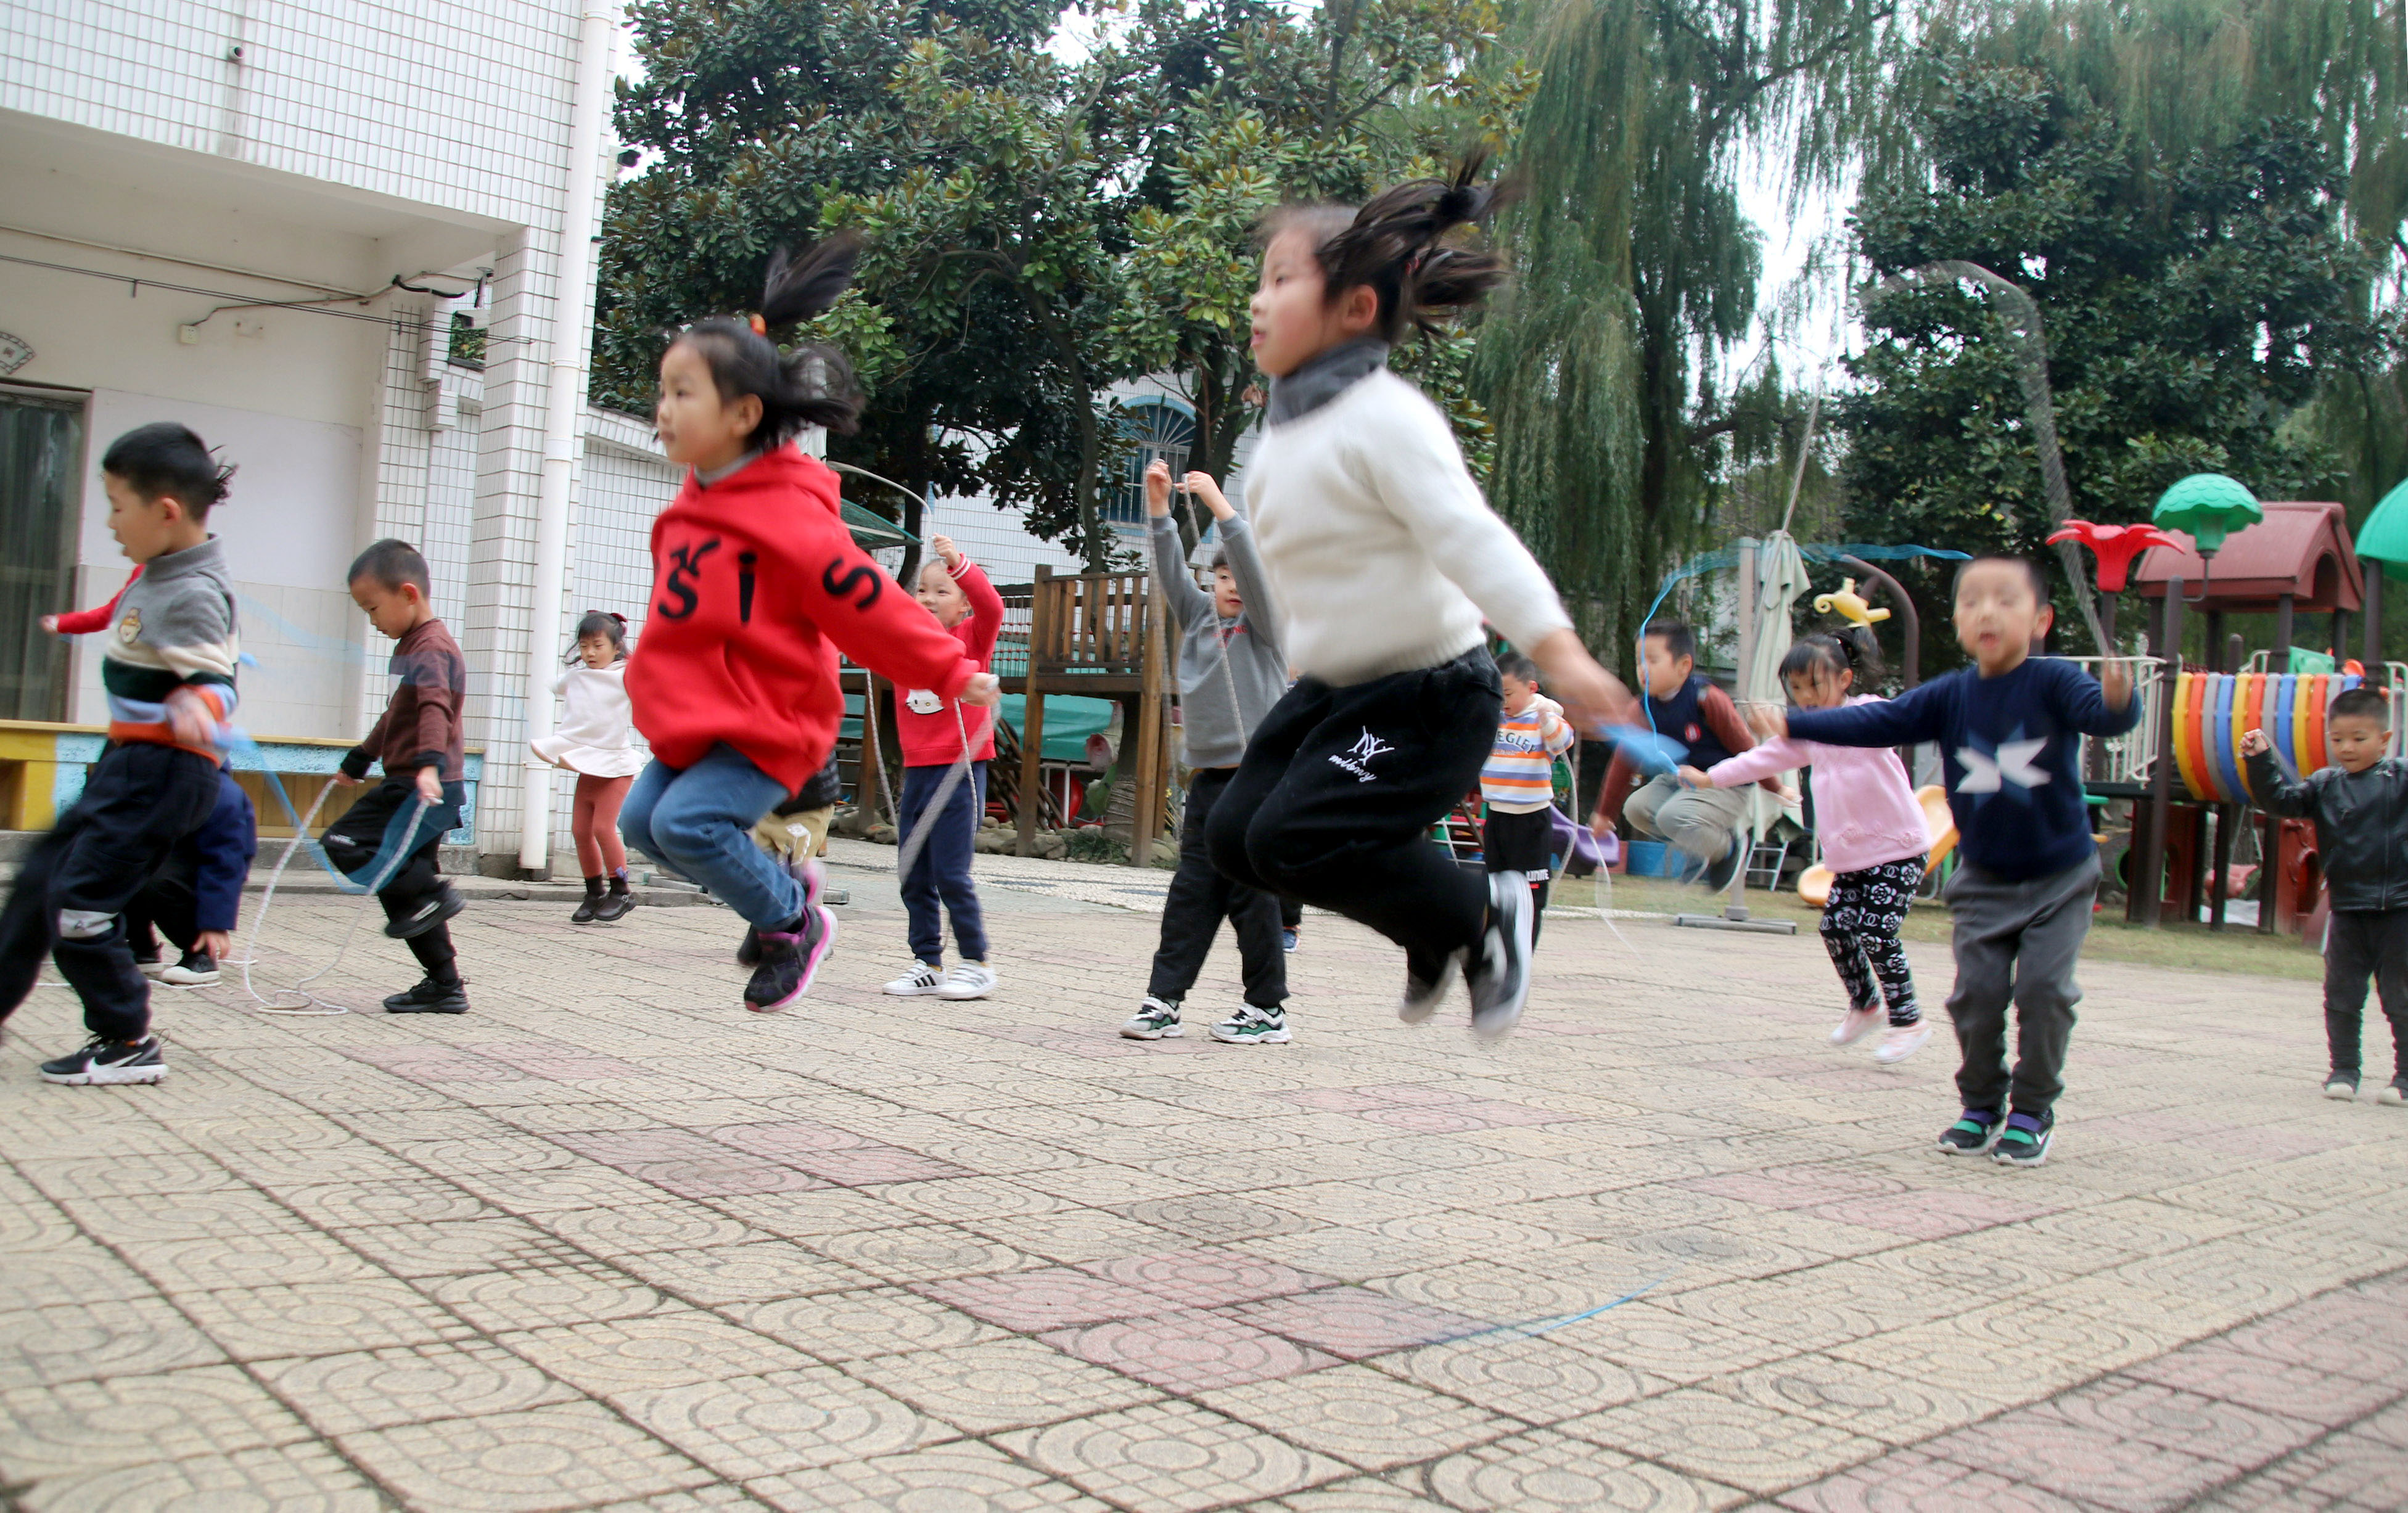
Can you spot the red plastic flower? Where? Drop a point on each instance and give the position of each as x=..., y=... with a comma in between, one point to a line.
x=2115, y=545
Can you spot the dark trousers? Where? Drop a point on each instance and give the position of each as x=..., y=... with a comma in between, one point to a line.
x=1860, y=924
x=2017, y=942
x=1201, y=898
x=164, y=907
x=2364, y=943
x=940, y=873
x=357, y=842
x=1524, y=846
x=1291, y=914
x=71, y=893
x=1334, y=802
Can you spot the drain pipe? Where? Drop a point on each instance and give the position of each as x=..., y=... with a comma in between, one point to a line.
x=572, y=335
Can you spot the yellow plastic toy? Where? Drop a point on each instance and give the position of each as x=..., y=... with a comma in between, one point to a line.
x=1849, y=605
x=1814, y=883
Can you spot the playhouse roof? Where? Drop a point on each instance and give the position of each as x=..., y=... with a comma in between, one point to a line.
x=2298, y=549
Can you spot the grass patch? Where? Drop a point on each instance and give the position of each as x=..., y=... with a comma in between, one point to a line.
x=2192, y=948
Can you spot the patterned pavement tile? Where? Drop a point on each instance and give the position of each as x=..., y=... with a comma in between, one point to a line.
x=660, y=1350
x=169, y=1217
x=551, y=1458
x=1723, y=1439
x=496, y=1302
x=1535, y=1379
x=457, y=1247
x=784, y=1421
x=1547, y=1470
x=963, y=1476
x=1360, y=1415
x=1352, y=1323
x=302, y=1475
x=1168, y=1457
x=392, y=1200
x=919, y=1253
x=999, y=1384
x=1077, y=1236
x=1207, y=1276
x=383, y=1388
x=743, y=1273
x=2146, y=1413
x=260, y=1323
x=853, y=1326
x=2080, y=1461
x=76, y=1427
x=1050, y=1298
x=1358, y=1494
x=1213, y=1218
x=2219, y=1370
x=1188, y=1352
x=1909, y=1481
x=70, y=1273
x=646, y=1225
x=1866, y=1400
x=96, y=1341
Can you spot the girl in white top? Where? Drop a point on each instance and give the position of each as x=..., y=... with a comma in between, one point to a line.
x=592, y=740
x=1385, y=560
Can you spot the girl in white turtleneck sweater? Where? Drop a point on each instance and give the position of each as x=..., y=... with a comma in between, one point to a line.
x=1385, y=560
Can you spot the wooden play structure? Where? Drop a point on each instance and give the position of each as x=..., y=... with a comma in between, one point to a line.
x=1093, y=635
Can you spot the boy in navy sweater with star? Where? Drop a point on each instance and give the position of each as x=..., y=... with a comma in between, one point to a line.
x=2021, y=900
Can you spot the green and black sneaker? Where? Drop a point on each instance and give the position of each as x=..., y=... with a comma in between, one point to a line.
x=2024, y=1142
x=1974, y=1133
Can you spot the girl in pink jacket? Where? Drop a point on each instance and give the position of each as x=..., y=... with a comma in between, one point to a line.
x=1873, y=838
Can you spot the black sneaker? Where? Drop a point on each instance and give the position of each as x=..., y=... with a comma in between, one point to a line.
x=2341, y=1086
x=748, y=950
x=444, y=902
x=430, y=997
x=150, y=962
x=590, y=902
x=108, y=1063
x=615, y=903
x=790, y=959
x=1717, y=874
x=1499, y=969
x=197, y=969
x=1424, y=994
x=1974, y=1133
x=2024, y=1142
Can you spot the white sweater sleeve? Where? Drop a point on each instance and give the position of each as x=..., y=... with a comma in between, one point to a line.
x=1411, y=463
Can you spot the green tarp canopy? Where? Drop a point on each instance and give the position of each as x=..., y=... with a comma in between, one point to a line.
x=1070, y=719
x=872, y=531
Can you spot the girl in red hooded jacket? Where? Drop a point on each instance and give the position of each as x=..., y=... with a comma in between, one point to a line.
x=756, y=586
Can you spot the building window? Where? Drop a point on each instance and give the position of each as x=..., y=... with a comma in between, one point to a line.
x=41, y=457
x=1156, y=426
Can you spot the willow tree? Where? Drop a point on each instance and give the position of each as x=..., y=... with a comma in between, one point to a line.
x=1637, y=268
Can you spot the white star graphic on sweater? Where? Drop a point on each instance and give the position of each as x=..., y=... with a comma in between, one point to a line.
x=1989, y=772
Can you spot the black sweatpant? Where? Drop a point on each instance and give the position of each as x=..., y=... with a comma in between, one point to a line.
x=1334, y=802
x=1523, y=845
x=354, y=842
x=1201, y=898
x=167, y=903
x=2363, y=943
x=71, y=893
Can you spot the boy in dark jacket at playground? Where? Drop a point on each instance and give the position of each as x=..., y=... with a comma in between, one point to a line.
x=195, y=899
x=2360, y=808
x=1703, y=824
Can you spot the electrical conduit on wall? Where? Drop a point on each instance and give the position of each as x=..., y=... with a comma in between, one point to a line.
x=572, y=335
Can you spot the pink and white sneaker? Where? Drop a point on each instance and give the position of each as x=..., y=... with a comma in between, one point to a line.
x=1902, y=1041
x=1856, y=1024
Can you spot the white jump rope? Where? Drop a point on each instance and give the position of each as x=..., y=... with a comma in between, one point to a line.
x=307, y=1004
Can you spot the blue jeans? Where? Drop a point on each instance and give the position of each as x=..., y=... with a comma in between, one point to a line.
x=698, y=824
x=941, y=872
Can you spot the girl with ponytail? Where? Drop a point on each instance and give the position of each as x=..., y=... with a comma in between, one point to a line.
x=1386, y=560
x=1873, y=834
x=756, y=586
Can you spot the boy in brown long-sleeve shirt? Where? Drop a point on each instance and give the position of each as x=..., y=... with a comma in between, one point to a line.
x=420, y=744
x=1703, y=824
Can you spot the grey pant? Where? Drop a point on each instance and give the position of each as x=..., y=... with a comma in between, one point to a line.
x=1698, y=822
x=2017, y=942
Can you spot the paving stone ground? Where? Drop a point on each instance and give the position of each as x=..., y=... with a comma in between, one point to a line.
x=610, y=1242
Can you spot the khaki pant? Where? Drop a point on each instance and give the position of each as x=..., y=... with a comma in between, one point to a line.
x=1698, y=822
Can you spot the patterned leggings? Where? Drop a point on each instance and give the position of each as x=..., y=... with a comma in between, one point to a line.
x=1860, y=931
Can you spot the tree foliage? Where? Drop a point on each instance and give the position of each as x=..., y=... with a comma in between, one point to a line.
x=2193, y=301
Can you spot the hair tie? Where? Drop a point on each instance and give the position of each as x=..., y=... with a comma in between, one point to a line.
x=1413, y=263
x=760, y=327
x=615, y=615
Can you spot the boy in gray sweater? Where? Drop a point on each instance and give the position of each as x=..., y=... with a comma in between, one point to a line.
x=1231, y=671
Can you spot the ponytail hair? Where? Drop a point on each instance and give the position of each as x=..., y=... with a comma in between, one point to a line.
x=601, y=622
x=1395, y=246
x=1850, y=649
x=812, y=384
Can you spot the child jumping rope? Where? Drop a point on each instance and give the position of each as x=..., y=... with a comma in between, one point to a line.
x=754, y=577
x=1386, y=558
x=931, y=727
x=591, y=741
x=1873, y=832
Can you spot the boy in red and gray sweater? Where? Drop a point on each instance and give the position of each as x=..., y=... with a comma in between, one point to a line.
x=954, y=589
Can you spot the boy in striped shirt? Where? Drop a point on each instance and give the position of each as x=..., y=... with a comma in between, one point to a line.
x=1519, y=784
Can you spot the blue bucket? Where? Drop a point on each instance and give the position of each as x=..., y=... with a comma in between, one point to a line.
x=1650, y=859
